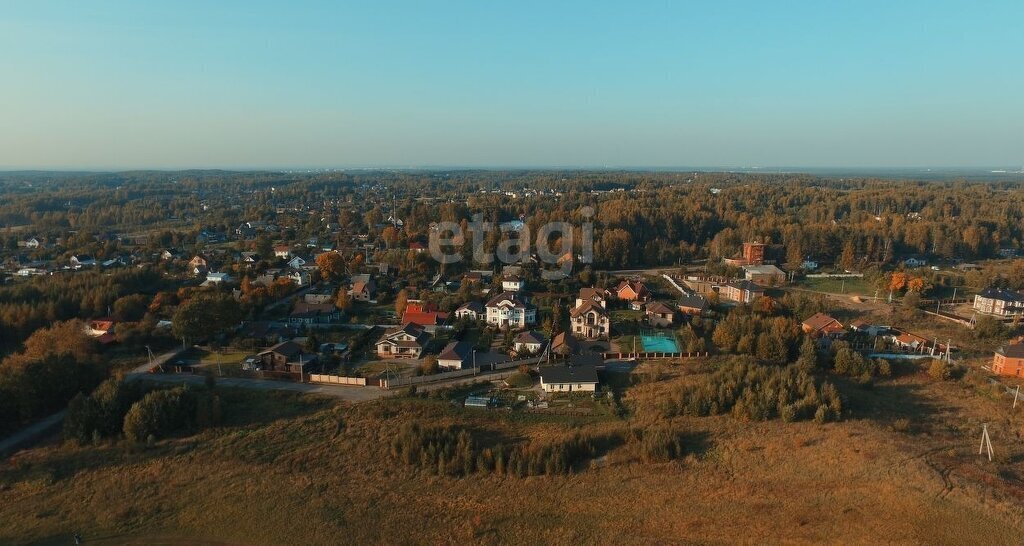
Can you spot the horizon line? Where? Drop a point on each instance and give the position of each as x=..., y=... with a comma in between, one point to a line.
x=778, y=169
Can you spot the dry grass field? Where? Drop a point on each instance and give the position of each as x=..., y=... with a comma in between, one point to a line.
x=283, y=469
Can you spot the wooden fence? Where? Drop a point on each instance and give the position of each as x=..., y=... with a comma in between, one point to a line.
x=950, y=317
x=337, y=380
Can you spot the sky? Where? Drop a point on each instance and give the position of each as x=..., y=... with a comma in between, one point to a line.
x=251, y=84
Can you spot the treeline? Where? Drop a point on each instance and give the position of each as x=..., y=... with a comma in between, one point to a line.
x=55, y=364
x=753, y=392
x=59, y=202
x=656, y=218
x=772, y=339
x=27, y=306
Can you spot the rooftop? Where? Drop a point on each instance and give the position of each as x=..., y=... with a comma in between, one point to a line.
x=585, y=373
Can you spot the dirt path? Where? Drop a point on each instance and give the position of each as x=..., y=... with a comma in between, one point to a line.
x=31, y=433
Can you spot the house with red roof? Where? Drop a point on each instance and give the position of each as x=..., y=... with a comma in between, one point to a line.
x=102, y=329
x=630, y=290
x=822, y=325
x=424, y=314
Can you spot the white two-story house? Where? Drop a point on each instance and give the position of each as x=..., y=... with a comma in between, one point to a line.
x=510, y=310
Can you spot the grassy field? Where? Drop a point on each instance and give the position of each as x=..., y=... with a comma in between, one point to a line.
x=208, y=357
x=853, y=285
x=619, y=315
x=395, y=367
x=284, y=469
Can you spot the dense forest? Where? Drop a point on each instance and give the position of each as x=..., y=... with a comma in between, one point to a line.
x=639, y=218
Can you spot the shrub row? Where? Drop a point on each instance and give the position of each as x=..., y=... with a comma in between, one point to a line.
x=757, y=393
x=453, y=451
x=116, y=407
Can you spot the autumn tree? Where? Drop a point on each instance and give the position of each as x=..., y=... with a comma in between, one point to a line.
x=848, y=258
x=771, y=349
x=206, y=315
x=67, y=338
x=917, y=284
x=808, y=359
x=341, y=300
x=615, y=248
x=401, y=301
x=331, y=265
x=355, y=265
x=764, y=305
x=131, y=308
x=897, y=281
x=390, y=236
x=725, y=336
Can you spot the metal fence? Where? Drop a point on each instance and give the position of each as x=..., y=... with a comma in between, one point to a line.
x=611, y=356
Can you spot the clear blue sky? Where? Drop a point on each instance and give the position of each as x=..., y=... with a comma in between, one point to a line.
x=127, y=84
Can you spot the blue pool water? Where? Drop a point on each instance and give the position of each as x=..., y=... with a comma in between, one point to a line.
x=659, y=344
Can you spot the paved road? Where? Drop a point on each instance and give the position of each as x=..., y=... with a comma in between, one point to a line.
x=351, y=394
x=490, y=376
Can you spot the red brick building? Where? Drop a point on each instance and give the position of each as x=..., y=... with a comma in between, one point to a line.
x=1009, y=360
x=753, y=253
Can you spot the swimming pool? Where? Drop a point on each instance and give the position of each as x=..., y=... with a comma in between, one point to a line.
x=659, y=344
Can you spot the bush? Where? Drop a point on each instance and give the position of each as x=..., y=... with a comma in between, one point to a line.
x=429, y=365
x=101, y=414
x=453, y=451
x=519, y=380
x=445, y=450
x=988, y=328
x=157, y=414
x=560, y=456
x=941, y=370
x=660, y=444
x=851, y=364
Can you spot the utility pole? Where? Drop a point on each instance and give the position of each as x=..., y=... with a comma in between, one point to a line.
x=152, y=359
x=986, y=442
x=1016, y=395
